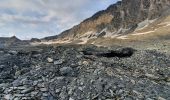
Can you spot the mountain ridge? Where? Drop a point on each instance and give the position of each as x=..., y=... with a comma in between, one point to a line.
x=120, y=18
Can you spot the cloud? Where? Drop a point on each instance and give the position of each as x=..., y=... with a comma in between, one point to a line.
x=40, y=18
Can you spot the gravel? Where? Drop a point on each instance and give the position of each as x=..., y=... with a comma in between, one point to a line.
x=84, y=73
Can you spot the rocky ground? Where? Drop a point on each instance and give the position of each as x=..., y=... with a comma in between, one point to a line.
x=74, y=72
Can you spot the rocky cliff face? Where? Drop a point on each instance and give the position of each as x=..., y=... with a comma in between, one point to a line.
x=120, y=18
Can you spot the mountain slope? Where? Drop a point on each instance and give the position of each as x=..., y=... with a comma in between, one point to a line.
x=12, y=42
x=118, y=19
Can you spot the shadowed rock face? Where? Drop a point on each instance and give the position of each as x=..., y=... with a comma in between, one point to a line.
x=125, y=14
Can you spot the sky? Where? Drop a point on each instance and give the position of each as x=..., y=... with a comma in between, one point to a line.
x=28, y=19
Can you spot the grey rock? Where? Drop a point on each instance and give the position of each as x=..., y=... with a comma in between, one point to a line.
x=28, y=90
x=50, y=60
x=13, y=52
x=71, y=99
x=58, y=62
x=57, y=90
x=17, y=83
x=8, y=97
x=19, y=95
x=16, y=98
x=22, y=88
x=43, y=89
x=34, y=93
x=66, y=71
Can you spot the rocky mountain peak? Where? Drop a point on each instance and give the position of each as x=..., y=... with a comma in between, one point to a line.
x=14, y=38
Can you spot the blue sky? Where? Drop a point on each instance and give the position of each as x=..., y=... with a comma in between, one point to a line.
x=39, y=18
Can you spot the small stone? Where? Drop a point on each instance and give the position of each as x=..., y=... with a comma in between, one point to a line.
x=25, y=98
x=35, y=83
x=27, y=90
x=17, y=73
x=81, y=83
x=43, y=89
x=151, y=76
x=79, y=56
x=8, y=90
x=71, y=99
x=70, y=91
x=132, y=81
x=149, y=99
x=17, y=83
x=57, y=90
x=1, y=52
x=58, y=62
x=13, y=52
x=16, y=98
x=66, y=71
x=18, y=95
x=3, y=85
x=50, y=60
x=109, y=71
x=85, y=63
x=41, y=85
x=8, y=97
x=80, y=88
x=27, y=82
x=34, y=93
x=161, y=98
x=167, y=79
x=21, y=88
x=45, y=94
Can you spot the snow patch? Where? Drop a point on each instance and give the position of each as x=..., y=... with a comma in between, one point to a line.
x=114, y=36
x=165, y=23
x=50, y=42
x=104, y=30
x=145, y=24
x=87, y=34
x=122, y=37
x=143, y=33
x=84, y=41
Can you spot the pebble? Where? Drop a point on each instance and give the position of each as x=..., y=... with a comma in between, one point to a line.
x=16, y=98
x=50, y=60
x=57, y=90
x=43, y=89
x=58, y=62
x=66, y=71
x=8, y=97
x=21, y=88
x=161, y=98
x=13, y=52
x=34, y=93
x=27, y=90
x=45, y=94
x=71, y=99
